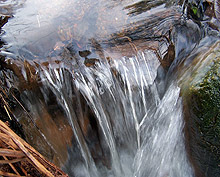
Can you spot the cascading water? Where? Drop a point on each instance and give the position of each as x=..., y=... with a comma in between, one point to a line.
x=125, y=114
x=140, y=133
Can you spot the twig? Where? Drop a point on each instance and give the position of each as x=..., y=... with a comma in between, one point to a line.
x=7, y=140
x=12, y=166
x=18, y=141
x=9, y=174
x=12, y=161
x=11, y=153
x=7, y=112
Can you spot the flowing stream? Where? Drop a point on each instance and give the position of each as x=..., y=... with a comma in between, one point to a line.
x=140, y=132
x=124, y=110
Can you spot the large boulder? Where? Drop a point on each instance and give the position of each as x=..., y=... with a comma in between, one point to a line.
x=200, y=83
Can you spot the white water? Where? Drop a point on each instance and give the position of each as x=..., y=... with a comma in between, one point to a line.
x=141, y=132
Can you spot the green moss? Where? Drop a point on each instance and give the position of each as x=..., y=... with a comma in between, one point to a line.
x=195, y=10
x=200, y=90
x=204, y=101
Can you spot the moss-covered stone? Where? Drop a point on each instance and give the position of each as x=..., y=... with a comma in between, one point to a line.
x=205, y=101
x=201, y=93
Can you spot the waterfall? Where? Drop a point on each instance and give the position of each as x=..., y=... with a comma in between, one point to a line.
x=140, y=132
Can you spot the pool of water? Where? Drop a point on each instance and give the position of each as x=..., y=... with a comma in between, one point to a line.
x=38, y=28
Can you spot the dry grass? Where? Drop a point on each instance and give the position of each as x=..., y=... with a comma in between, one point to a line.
x=18, y=158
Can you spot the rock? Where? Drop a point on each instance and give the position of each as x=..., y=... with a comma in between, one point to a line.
x=84, y=53
x=3, y=20
x=90, y=61
x=216, y=9
x=201, y=94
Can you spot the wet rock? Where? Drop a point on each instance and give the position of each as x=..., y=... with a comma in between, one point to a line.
x=43, y=124
x=217, y=8
x=142, y=6
x=201, y=93
x=195, y=10
x=90, y=61
x=204, y=11
x=3, y=20
x=8, y=95
x=84, y=53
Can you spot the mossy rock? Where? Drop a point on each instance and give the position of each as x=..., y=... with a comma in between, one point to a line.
x=201, y=95
x=205, y=101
